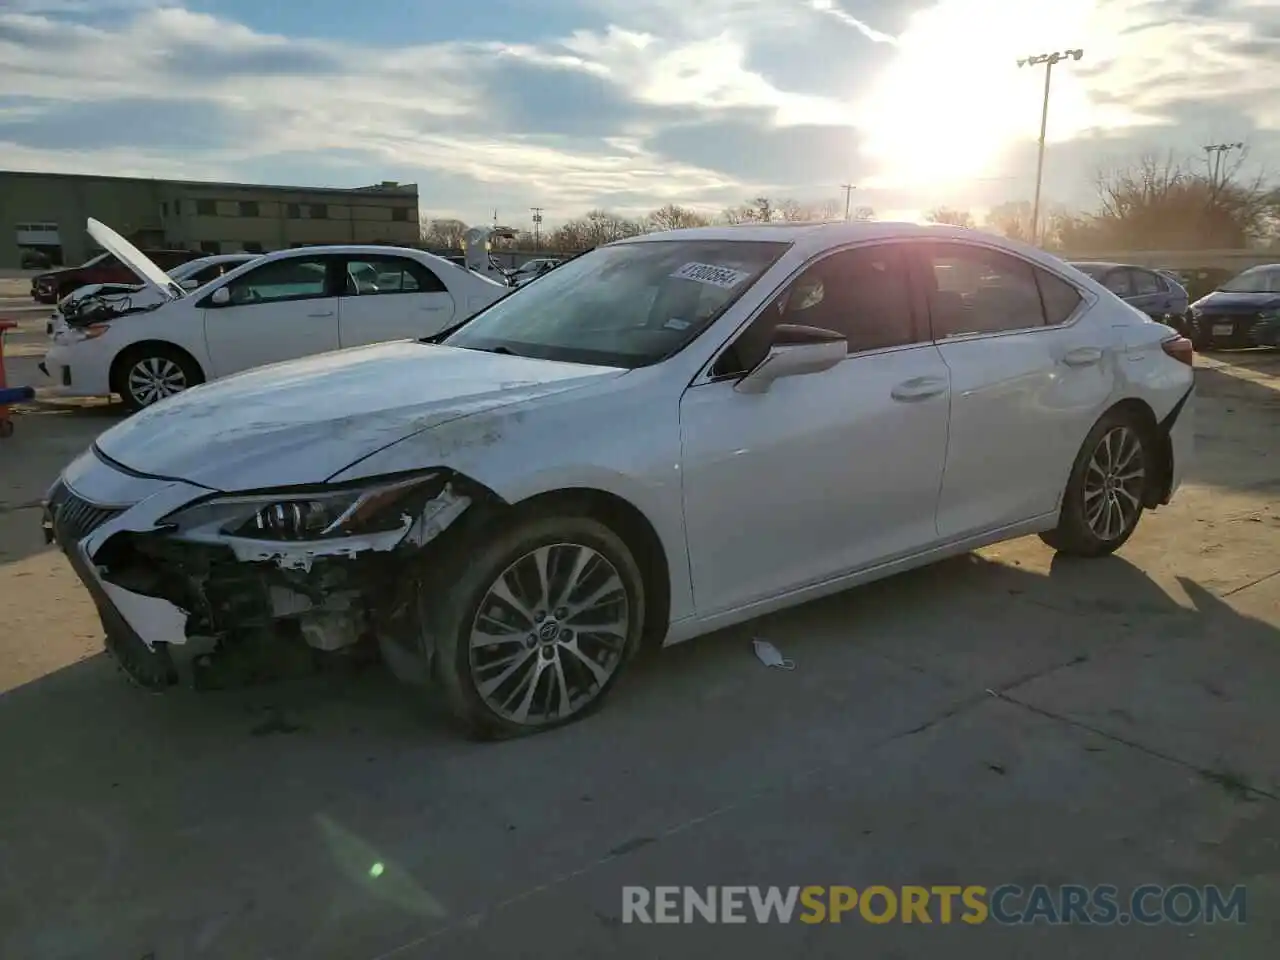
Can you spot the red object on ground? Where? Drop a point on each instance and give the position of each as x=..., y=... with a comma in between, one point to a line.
x=6, y=424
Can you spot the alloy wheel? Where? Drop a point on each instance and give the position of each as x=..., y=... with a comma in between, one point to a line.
x=155, y=378
x=1114, y=483
x=549, y=634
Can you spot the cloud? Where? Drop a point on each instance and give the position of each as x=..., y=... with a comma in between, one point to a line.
x=633, y=103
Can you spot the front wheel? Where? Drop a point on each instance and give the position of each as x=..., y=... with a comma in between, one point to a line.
x=148, y=374
x=1104, y=498
x=538, y=628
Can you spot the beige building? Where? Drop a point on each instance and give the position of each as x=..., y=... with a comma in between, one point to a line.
x=47, y=212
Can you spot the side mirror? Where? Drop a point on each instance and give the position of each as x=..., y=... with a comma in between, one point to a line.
x=220, y=297
x=190, y=283
x=794, y=352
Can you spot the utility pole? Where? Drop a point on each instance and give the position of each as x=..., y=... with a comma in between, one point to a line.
x=1048, y=59
x=537, y=228
x=848, y=189
x=1215, y=155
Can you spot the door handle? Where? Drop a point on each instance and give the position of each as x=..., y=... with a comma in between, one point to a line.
x=919, y=388
x=1082, y=356
x=431, y=309
x=328, y=314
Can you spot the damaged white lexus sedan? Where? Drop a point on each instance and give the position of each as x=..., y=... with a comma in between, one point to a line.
x=662, y=437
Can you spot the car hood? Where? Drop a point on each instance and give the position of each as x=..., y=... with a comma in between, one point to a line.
x=1222, y=302
x=133, y=258
x=305, y=420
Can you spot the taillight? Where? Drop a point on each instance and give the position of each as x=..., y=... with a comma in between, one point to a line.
x=1180, y=349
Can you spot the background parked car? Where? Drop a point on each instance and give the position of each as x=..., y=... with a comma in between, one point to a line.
x=1154, y=292
x=280, y=306
x=532, y=269
x=34, y=260
x=1243, y=312
x=86, y=304
x=104, y=268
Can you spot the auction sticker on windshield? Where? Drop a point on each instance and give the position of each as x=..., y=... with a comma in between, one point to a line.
x=725, y=277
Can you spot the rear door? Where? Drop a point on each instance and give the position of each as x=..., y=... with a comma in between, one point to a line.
x=1029, y=376
x=281, y=310
x=389, y=297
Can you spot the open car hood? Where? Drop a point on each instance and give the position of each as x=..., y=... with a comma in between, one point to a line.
x=124, y=251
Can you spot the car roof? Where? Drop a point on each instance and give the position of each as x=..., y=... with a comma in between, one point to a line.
x=1105, y=265
x=813, y=237
x=348, y=249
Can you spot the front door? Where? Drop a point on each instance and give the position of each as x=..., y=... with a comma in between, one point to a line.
x=391, y=298
x=281, y=310
x=1027, y=383
x=823, y=473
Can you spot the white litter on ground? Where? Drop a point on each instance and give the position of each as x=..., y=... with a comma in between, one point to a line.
x=771, y=656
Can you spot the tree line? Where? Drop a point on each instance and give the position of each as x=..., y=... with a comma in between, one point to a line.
x=1151, y=203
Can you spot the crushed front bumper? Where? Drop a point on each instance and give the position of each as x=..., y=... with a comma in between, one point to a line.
x=170, y=607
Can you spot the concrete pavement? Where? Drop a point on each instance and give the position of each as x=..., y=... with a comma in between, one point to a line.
x=1006, y=717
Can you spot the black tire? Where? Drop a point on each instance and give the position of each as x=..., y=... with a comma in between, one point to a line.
x=154, y=354
x=1074, y=534
x=453, y=609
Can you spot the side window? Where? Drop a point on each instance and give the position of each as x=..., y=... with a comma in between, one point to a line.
x=294, y=278
x=860, y=293
x=1060, y=298
x=211, y=272
x=978, y=290
x=1144, y=283
x=1117, y=281
x=382, y=275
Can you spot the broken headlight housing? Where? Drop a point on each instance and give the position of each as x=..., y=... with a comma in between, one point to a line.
x=307, y=514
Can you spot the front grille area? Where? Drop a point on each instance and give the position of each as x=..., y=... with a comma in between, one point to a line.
x=73, y=517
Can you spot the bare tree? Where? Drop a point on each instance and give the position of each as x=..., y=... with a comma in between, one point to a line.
x=1163, y=203
x=597, y=227
x=673, y=217
x=951, y=216
x=864, y=213
x=1010, y=219
x=443, y=234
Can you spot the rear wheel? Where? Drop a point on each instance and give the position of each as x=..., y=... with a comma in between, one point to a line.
x=1104, y=498
x=149, y=373
x=537, y=630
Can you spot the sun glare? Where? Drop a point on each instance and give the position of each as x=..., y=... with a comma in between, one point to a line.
x=954, y=100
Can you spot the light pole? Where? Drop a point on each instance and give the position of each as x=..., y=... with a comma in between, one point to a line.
x=537, y=228
x=1048, y=59
x=848, y=189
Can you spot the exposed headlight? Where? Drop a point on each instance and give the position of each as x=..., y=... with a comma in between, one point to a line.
x=1193, y=310
x=1271, y=313
x=307, y=514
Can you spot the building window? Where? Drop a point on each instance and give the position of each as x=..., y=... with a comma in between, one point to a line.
x=400, y=213
x=319, y=211
x=206, y=208
x=164, y=208
x=210, y=246
x=252, y=246
x=248, y=208
x=293, y=211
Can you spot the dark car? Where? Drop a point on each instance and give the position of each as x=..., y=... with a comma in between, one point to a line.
x=1243, y=312
x=104, y=268
x=1157, y=294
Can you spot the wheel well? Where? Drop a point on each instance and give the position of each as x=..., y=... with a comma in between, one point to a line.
x=636, y=532
x=1162, y=476
x=117, y=364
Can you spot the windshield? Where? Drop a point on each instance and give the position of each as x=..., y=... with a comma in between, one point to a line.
x=1257, y=280
x=628, y=305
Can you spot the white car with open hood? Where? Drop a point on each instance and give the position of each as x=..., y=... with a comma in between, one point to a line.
x=665, y=436
x=279, y=306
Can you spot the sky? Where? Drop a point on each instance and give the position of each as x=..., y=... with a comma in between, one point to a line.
x=631, y=104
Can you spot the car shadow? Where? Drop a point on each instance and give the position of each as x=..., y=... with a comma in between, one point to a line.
x=135, y=819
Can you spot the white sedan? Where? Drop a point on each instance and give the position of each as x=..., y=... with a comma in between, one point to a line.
x=279, y=306
x=663, y=437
